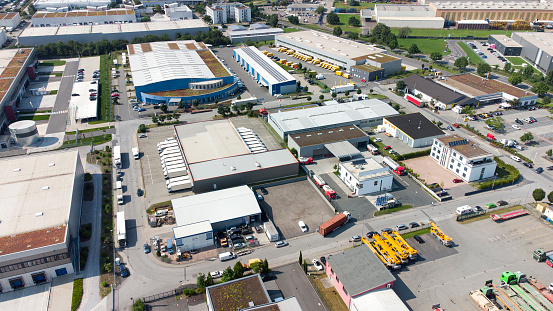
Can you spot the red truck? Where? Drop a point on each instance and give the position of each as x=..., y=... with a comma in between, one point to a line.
x=318, y=180
x=305, y=160
x=334, y=223
x=373, y=149
x=396, y=168
x=509, y=215
x=329, y=193
x=263, y=111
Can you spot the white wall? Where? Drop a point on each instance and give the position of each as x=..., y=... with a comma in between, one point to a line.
x=195, y=242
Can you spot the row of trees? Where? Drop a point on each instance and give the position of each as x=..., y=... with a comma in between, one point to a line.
x=539, y=194
x=230, y=274
x=333, y=19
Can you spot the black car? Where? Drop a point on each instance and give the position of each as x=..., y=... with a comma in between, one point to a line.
x=258, y=229
x=528, y=165
x=323, y=260
x=371, y=233
x=268, y=277
x=539, y=170
x=550, y=168
x=414, y=225
x=519, y=122
x=247, y=230
x=235, y=237
x=387, y=230
x=139, y=192
x=418, y=239
x=233, y=232
x=264, y=191
x=501, y=203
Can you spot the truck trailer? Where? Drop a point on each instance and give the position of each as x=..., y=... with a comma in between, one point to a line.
x=270, y=230
x=172, y=173
x=334, y=223
x=342, y=88
x=120, y=196
x=373, y=149
x=319, y=180
x=121, y=229
x=179, y=185
x=394, y=166
x=117, y=156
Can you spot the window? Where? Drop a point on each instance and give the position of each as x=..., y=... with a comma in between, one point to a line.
x=433, y=154
x=345, y=291
x=464, y=175
x=466, y=169
x=16, y=283
x=461, y=157
x=337, y=280
x=458, y=164
x=451, y=166
x=454, y=153
x=376, y=183
x=457, y=170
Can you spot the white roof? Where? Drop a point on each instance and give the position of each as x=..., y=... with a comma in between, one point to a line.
x=216, y=206
x=66, y=3
x=192, y=229
x=164, y=64
x=334, y=115
x=263, y=65
x=384, y=299
x=253, y=32
x=31, y=185
x=492, y=5
x=542, y=40
x=81, y=106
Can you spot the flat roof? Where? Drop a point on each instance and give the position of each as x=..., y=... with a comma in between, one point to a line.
x=415, y=125
x=238, y=294
x=477, y=86
x=192, y=229
x=334, y=115
x=541, y=40
x=241, y=164
x=254, y=32
x=287, y=304
x=467, y=148
x=82, y=107
x=506, y=41
x=379, y=58
x=315, y=40
x=8, y=15
x=79, y=3
x=216, y=206
x=82, y=13
x=263, y=65
x=403, y=7
x=343, y=149
x=492, y=5
x=329, y=135
x=11, y=63
x=359, y=270
x=367, y=168
x=204, y=141
x=37, y=192
x=383, y=299
x=433, y=89
x=172, y=60
x=368, y=68
x=411, y=18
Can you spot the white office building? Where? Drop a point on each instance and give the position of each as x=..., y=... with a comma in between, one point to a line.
x=242, y=14
x=220, y=13
x=463, y=157
x=365, y=176
x=175, y=12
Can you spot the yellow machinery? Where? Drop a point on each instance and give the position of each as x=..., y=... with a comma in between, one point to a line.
x=394, y=247
x=282, y=61
x=413, y=253
x=338, y=73
x=265, y=52
x=388, y=263
x=385, y=248
x=447, y=241
x=282, y=49
x=294, y=65
x=334, y=68
x=498, y=25
x=308, y=58
x=290, y=52
x=269, y=54
x=521, y=25
x=288, y=64
x=316, y=61
x=346, y=75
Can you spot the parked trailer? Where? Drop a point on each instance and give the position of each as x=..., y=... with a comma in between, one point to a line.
x=179, y=185
x=117, y=156
x=342, y=88
x=121, y=229
x=135, y=153
x=334, y=223
x=446, y=240
x=258, y=149
x=169, y=150
x=174, y=166
x=270, y=231
x=245, y=101
x=120, y=200
x=176, y=179
x=483, y=301
x=171, y=173
x=509, y=215
x=319, y=180
x=542, y=289
x=373, y=149
x=396, y=168
x=171, y=155
x=171, y=158
x=166, y=144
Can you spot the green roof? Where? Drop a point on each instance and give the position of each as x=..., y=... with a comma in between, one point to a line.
x=367, y=68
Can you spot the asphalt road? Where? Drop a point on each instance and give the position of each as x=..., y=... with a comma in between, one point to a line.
x=58, y=118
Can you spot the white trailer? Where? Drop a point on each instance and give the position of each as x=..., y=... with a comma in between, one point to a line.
x=171, y=154
x=170, y=139
x=179, y=163
x=270, y=230
x=172, y=161
x=342, y=88
x=172, y=173
x=117, y=156
x=169, y=151
x=179, y=185
x=135, y=153
x=239, y=102
x=465, y=209
x=171, y=158
x=121, y=229
x=176, y=179
x=258, y=149
x=174, y=166
x=120, y=200
x=164, y=145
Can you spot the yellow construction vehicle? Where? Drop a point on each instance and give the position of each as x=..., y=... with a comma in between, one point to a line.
x=346, y=75
x=294, y=65
x=402, y=254
x=282, y=61
x=290, y=52
x=397, y=244
x=269, y=54
x=447, y=241
x=283, y=49
x=316, y=61
x=388, y=263
x=308, y=58
x=288, y=64
x=413, y=253
x=386, y=249
x=265, y=52
x=338, y=73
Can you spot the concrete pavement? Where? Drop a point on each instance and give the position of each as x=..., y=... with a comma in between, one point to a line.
x=58, y=119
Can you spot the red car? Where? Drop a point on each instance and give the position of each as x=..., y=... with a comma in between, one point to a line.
x=363, y=80
x=456, y=125
x=457, y=180
x=387, y=148
x=114, y=95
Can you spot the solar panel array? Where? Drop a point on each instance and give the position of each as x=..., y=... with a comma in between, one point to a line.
x=458, y=142
x=251, y=139
x=262, y=61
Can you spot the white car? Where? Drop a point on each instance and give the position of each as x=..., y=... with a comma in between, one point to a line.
x=281, y=244
x=515, y=158
x=302, y=225
x=377, y=140
x=216, y=274
x=317, y=265
x=515, y=126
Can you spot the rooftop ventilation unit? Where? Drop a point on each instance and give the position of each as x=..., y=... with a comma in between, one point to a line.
x=17, y=170
x=52, y=164
x=257, y=164
x=39, y=214
x=45, y=188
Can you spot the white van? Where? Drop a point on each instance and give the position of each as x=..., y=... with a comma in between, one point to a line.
x=465, y=209
x=457, y=109
x=227, y=256
x=118, y=185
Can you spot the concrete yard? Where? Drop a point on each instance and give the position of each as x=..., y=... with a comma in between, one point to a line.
x=287, y=204
x=258, y=128
x=432, y=172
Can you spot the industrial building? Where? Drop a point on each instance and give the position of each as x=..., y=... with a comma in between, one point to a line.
x=178, y=71
x=364, y=113
x=367, y=72
x=414, y=129
x=41, y=212
x=199, y=216
x=536, y=48
x=362, y=281
x=365, y=176
x=263, y=70
x=219, y=156
x=256, y=32
x=83, y=17
x=17, y=67
x=222, y=13
x=10, y=20
x=71, y=4
x=505, y=45
x=488, y=91
x=343, y=53
x=24, y=133
x=404, y=15
x=528, y=11
x=427, y=91
x=314, y=144
x=302, y=7
x=153, y=3
x=463, y=157
x=34, y=36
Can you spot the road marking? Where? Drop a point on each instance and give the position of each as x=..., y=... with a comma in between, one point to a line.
x=539, y=236
x=150, y=168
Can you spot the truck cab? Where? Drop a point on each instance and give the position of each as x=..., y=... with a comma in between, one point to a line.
x=170, y=248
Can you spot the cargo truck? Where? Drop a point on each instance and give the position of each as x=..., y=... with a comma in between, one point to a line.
x=172, y=173
x=117, y=156
x=319, y=77
x=120, y=196
x=270, y=231
x=342, y=88
x=373, y=149
x=334, y=223
x=121, y=229
x=135, y=153
x=396, y=168
x=305, y=160
x=329, y=193
x=227, y=256
x=319, y=180
x=179, y=185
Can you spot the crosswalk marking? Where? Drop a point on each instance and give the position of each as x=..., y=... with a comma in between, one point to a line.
x=59, y=112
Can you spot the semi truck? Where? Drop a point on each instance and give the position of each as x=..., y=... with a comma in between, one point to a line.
x=179, y=185
x=541, y=255
x=120, y=196
x=334, y=223
x=271, y=231
x=373, y=149
x=169, y=150
x=135, y=153
x=166, y=143
x=172, y=173
x=319, y=180
x=305, y=160
x=342, y=88
x=121, y=229
x=329, y=193
x=394, y=166
x=245, y=101
x=117, y=156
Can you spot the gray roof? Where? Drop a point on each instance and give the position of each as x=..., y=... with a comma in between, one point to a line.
x=343, y=149
x=236, y=28
x=415, y=125
x=433, y=89
x=259, y=26
x=359, y=270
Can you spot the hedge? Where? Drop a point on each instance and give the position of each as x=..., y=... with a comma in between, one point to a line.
x=412, y=155
x=514, y=174
x=496, y=143
x=77, y=294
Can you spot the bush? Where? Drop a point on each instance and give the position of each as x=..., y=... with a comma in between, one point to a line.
x=77, y=294
x=105, y=284
x=416, y=154
x=512, y=177
x=188, y=292
x=87, y=177
x=538, y=194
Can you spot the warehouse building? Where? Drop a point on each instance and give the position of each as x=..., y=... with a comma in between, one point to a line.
x=316, y=143
x=414, y=129
x=302, y=7
x=178, y=71
x=34, y=36
x=40, y=218
x=362, y=281
x=505, y=45
x=404, y=15
x=365, y=176
x=10, y=20
x=83, y=17
x=17, y=68
x=153, y=3
x=367, y=72
x=486, y=91
x=364, y=113
x=256, y=32
x=424, y=90
x=344, y=53
x=528, y=11
x=536, y=48
x=263, y=70
x=463, y=157
x=199, y=216
x=219, y=157
x=71, y=4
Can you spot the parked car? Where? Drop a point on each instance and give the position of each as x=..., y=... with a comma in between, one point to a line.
x=139, y=192
x=124, y=271
x=550, y=168
x=75, y=94
x=418, y=239
x=501, y=203
x=258, y=229
x=259, y=196
x=302, y=225
x=377, y=139
x=281, y=244
x=264, y=191
x=317, y=265
x=239, y=245
x=323, y=260
x=147, y=249
x=387, y=230
x=515, y=158
x=414, y=225
x=477, y=208
x=539, y=170
x=528, y=165
x=356, y=238
x=491, y=205
x=387, y=148
x=216, y=274
x=142, y=136
x=268, y=277
x=516, y=127
x=246, y=230
x=456, y=125
x=457, y=180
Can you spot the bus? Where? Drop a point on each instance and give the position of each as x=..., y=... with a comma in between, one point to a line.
x=121, y=229
x=117, y=156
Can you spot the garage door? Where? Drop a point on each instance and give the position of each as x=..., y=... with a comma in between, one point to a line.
x=318, y=153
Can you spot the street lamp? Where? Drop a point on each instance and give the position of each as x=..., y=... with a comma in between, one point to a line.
x=494, y=176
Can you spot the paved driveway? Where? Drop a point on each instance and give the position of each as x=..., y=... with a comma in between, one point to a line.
x=58, y=118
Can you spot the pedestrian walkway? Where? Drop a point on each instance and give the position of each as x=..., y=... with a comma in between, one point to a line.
x=62, y=288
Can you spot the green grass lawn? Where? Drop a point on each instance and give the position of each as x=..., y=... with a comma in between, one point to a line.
x=427, y=46
x=453, y=32
x=392, y=210
x=344, y=23
x=104, y=87
x=52, y=63
x=362, y=5
x=291, y=29
x=518, y=61
x=474, y=59
x=96, y=140
x=38, y=117
x=413, y=233
x=89, y=130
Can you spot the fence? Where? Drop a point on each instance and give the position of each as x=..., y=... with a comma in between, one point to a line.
x=160, y=296
x=494, y=210
x=432, y=193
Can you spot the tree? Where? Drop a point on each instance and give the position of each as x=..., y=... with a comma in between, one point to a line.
x=540, y=88
x=393, y=44
x=158, y=8
x=332, y=18
x=347, y=93
x=161, y=118
x=333, y=95
x=31, y=9
x=320, y=10
x=359, y=91
x=468, y=110
x=163, y=107
x=439, y=124
x=249, y=106
x=515, y=78
x=549, y=152
x=300, y=66
x=228, y=275
x=265, y=266
x=538, y=194
x=138, y=305
x=337, y=31
x=461, y=62
x=508, y=67
x=527, y=71
x=353, y=36
x=235, y=108
x=168, y=117
x=404, y=32
x=436, y=56
x=146, y=19
x=308, y=98
x=142, y=128
x=380, y=31
x=497, y=122
x=547, y=100
x=107, y=267
x=256, y=267
x=483, y=68
x=201, y=280
x=321, y=97
x=207, y=19
x=400, y=85
x=155, y=119
x=300, y=260
x=209, y=280
x=354, y=21
x=526, y=137
x=195, y=103
x=221, y=110
x=550, y=197
x=238, y=270
x=294, y=20
x=414, y=49
x=273, y=20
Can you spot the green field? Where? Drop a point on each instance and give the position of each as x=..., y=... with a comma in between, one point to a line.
x=427, y=46
x=344, y=23
x=291, y=29
x=474, y=59
x=362, y=5
x=453, y=32
x=519, y=61
x=52, y=63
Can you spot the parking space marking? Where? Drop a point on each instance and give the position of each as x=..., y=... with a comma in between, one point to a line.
x=514, y=233
x=539, y=236
x=150, y=169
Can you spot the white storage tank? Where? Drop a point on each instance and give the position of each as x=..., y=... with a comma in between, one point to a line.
x=24, y=133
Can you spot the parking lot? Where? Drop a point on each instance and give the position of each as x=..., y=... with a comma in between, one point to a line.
x=396, y=144
x=485, y=250
x=490, y=58
x=258, y=128
x=287, y=204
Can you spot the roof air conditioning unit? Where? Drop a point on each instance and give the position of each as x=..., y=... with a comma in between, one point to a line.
x=257, y=164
